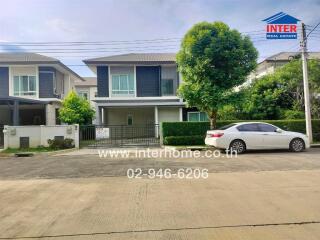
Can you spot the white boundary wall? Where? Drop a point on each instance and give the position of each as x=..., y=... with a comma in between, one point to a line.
x=39, y=135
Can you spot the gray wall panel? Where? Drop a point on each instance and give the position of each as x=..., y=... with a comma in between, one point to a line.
x=103, y=81
x=148, y=81
x=46, y=82
x=4, y=81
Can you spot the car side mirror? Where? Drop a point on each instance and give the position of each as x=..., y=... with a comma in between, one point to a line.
x=278, y=130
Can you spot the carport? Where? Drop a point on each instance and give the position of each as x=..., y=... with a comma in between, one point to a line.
x=17, y=111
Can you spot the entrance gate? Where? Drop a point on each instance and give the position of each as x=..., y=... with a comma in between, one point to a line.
x=104, y=136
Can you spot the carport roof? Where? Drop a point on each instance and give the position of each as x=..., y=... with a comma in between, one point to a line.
x=24, y=100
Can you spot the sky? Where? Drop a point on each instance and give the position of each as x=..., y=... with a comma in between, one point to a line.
x=127, y=26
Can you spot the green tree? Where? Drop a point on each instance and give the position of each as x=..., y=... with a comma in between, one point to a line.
x=291, y=76
x=266, y=98
x=213, y=59
x=76, y=109
x=280, y=95
x=234, y=111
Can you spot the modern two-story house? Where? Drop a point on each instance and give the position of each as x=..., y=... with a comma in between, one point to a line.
x=270, y=64
x=137, y=89
x=32, y=87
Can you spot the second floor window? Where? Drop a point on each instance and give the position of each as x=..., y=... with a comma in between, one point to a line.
x=84, y=94
x=122, y=84
x=24, y=86
x=167, y=87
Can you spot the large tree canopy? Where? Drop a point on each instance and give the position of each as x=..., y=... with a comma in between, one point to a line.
x=213, y=59
x=76, y=109
x=266, y=98
x=280, y=94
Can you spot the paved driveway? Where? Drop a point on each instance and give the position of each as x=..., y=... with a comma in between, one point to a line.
x=261, y=195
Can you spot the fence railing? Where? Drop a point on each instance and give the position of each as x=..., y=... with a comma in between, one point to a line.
x=119, y=135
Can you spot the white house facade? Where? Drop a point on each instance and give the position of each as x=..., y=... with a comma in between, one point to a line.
x=138, y=89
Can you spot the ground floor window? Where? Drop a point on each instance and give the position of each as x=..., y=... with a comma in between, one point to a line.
x=122, y=84
x=197, y=117
x=24, y=85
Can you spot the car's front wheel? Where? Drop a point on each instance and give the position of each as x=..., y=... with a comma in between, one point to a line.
x=238, y=146
x=297, y=145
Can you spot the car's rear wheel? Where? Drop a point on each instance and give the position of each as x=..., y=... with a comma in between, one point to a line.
x=238, y=146
x=297, y=145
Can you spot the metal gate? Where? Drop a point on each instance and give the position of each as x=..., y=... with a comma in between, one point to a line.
x=102, y=136
x=1, y=137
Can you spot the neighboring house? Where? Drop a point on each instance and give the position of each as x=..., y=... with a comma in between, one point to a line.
x=31, y=88
x=270, y=64
x=139, y=89
x=88, y=90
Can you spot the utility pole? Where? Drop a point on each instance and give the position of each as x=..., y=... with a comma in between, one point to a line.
x=303, y=45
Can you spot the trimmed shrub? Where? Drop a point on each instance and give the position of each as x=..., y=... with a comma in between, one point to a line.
x=60, y=143
x=184, y=128
x=192, y=129
x=292, y=114
x=184, y=140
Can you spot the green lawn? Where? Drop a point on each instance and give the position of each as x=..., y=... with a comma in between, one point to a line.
x=19, y=150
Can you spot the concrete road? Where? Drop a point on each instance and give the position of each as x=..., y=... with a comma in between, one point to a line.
x=256, y=196
x=78, y=165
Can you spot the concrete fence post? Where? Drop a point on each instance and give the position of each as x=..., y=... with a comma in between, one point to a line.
x=42, y=138
x=76, y=136
x=5, y=137
x=161, y=134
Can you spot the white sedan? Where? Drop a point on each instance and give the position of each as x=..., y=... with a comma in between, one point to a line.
x=244, y=136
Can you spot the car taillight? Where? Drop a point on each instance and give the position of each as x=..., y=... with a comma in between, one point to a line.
x=215, y=135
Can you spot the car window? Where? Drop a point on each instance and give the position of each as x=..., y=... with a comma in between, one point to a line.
x=266, y=128
x=227, y=126
x=252, y=127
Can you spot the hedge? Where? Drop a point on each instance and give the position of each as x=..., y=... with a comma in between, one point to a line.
x=190, y=129
x=182, y=140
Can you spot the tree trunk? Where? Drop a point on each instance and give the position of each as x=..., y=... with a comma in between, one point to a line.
x=213, y=119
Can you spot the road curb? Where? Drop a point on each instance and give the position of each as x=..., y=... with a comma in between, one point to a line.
x=317, y=145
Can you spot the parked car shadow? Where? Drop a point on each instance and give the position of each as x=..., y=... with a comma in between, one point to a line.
x=271, y=151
